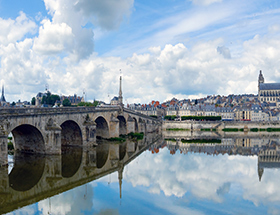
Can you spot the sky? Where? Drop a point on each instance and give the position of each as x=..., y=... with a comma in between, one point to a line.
x=162, y=49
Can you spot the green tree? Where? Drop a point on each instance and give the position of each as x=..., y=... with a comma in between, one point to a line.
x=87, y=104
x=33, y=101
x=66, y=102
x=95, y=103
x=50, y=99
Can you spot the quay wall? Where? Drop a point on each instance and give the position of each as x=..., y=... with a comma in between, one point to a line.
x=218, y=125
x=219, y=135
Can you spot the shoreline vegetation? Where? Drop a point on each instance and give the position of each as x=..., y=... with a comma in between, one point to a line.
x=229, y=129
x=123, y=138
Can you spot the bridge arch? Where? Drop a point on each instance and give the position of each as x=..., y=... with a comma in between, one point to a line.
x=122, y=125
x=28, y=139
x=71, y=134
x=102, y=128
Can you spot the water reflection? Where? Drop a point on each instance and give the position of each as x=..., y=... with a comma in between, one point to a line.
x=27, y=171
x=180, y=175
x=34, y=178
x=71, y=160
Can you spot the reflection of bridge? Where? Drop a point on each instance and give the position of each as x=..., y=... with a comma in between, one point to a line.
x=44, y=130
x=53, y=174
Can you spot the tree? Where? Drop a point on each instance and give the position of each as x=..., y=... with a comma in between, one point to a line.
x=33, y=101
x=95, y=103
x=66, y=102
x=50, y=99
x=87, y=104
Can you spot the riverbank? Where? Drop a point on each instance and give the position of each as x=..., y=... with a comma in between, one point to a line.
x=226, y=126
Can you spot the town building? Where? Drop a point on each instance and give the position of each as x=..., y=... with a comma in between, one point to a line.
x=74, y=100
x=38, y=99
x=268, y=92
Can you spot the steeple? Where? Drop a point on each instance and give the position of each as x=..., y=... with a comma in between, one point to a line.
x=2, y=96
x=261, y=78
x=120, y=93
x=260, y=172
x=120, y=177
x=260, y=81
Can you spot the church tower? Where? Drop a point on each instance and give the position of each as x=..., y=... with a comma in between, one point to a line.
x=260, y=81
x=120, y=93
x=2, y=96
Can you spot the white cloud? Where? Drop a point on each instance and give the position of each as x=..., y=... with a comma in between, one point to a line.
x=53, y=38
x=160, y=68
x=106, y=15
x=14, y=30
x=21, y=69
x=159, y=74
x=175, y=70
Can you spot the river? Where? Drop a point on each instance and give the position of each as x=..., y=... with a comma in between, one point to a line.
x=151, y=176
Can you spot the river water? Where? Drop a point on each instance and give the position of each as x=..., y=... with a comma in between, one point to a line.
x=154, y=176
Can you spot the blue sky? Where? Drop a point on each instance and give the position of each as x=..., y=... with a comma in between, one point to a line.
x=165, y=49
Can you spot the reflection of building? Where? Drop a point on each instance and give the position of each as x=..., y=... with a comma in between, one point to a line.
x=267, y=150
x=269, y=157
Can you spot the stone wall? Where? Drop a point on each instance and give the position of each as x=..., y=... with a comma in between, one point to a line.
x=198, y=125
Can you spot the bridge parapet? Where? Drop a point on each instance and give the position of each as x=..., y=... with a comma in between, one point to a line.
x=50, y=111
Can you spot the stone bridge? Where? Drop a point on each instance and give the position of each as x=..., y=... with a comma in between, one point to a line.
x=45, y=130
x=49, y=175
